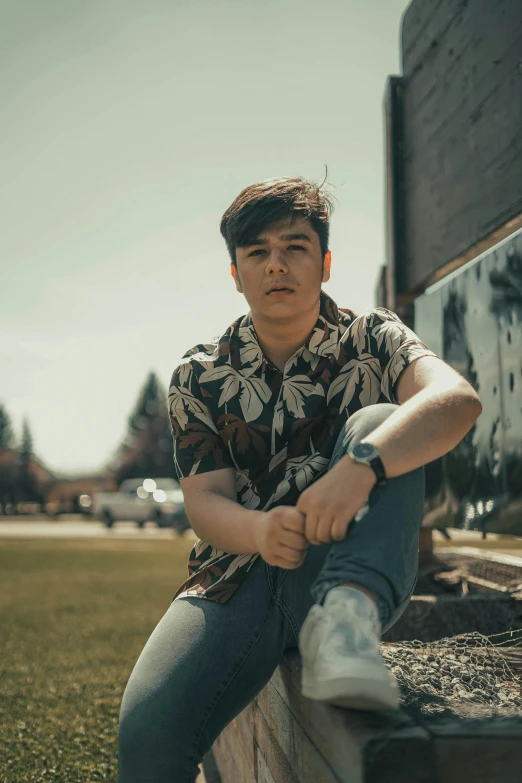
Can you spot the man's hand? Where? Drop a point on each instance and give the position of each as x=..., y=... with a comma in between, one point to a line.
x=280, y=537
x=331, y=502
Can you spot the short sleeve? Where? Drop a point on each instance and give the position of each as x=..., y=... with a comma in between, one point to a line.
x=198, y=447
x=395, y=346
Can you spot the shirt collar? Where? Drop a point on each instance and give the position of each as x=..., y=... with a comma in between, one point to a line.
x=246, y=355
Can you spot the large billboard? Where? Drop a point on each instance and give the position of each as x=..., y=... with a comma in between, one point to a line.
x=454, y=122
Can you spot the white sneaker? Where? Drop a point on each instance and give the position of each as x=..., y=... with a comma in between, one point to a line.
x=339, y=645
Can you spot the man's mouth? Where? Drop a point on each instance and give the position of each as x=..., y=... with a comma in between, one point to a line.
x=280, y=291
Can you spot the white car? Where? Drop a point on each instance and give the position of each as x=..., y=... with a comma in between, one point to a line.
x=143, y=500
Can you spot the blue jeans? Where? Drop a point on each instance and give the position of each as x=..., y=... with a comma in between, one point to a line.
x=205, y=661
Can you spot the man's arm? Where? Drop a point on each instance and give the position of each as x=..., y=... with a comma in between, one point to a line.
x=216, y=516
x=218, y=519
x=437, y=408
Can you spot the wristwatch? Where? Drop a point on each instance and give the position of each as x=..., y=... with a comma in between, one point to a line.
x=368, y=455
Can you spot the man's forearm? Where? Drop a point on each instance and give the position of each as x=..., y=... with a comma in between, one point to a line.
x=423, y=428
x=224, y=523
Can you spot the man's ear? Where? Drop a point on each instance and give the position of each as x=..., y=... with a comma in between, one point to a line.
x=233, y=271
x=326, y=266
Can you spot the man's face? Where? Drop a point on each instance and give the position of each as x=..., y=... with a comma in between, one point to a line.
x=286, y=254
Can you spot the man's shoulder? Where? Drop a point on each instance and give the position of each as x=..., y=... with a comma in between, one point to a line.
x=367, y=320
x=203, y=351
x=371, y=332
x=377, y=313
x=200, y=357
x=205, y=354
x=350, y=321
x=212, y=353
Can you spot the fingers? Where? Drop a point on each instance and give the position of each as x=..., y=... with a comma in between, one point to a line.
x=324, y=530
x=339, y=530
x=291, y=519
x=294, y=540
x=316, y=529
x=289, y=558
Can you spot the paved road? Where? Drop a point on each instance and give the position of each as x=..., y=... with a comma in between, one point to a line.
x=74, y=527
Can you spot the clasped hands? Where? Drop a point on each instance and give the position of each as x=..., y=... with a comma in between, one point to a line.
x=323, y=513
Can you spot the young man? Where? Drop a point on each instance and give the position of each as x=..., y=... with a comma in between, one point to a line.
x=300, y=436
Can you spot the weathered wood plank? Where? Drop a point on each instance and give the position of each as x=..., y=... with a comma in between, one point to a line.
x=479, y=554
x=284, y=738
x=480, y=729
x=399, y=761
x=340, y=734
x=263, y=772
x=243, y=726
x=231, y=756
x=210, y=771
x=498, y=761
x=290, y=752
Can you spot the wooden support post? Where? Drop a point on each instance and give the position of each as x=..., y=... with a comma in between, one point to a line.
x=426, y=556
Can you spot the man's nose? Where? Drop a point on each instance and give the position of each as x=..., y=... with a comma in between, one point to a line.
x=276, y=261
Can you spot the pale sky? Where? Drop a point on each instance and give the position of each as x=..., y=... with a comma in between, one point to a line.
x=127, y=130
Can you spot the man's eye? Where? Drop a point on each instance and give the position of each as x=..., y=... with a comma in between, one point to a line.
x=262, y=251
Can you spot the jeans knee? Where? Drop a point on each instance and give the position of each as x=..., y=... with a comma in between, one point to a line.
x=360, y=424
x=367, y=419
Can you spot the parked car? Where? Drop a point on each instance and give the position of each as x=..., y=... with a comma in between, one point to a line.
x=143, y=500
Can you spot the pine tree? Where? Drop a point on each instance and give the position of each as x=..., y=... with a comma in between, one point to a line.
x=147, y=449
x=7, y=468
x=149, y=403
x=6, y=429
x=26, y=481
x=26, y=447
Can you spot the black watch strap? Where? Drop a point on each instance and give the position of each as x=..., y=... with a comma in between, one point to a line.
x=378, y=469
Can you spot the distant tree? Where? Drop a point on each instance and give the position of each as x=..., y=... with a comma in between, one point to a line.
x=147, y=449
x=8, y=483
x=7, y=466
x=26, y=445
x=27, y=485
x=6, y=429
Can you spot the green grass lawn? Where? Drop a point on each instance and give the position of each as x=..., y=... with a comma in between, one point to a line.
x=75, y=615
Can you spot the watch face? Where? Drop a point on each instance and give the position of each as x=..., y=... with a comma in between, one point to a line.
x=364, y=451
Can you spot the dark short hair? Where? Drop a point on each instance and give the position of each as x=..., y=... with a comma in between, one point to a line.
x=264, y=203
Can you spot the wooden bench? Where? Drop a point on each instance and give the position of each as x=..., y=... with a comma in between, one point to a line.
x=281, y=737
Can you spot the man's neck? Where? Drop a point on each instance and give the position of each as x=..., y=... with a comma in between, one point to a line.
x=279, y=341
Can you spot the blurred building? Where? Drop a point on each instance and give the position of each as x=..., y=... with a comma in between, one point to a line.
x=24, y=485
x=65, y=494
x=46, y=491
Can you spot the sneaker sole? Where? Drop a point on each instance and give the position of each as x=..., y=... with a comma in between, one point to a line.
x=357, y=693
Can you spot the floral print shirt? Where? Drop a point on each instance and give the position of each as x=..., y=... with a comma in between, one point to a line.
x=230, y=407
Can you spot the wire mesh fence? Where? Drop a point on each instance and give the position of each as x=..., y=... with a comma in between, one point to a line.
x=469, y=675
